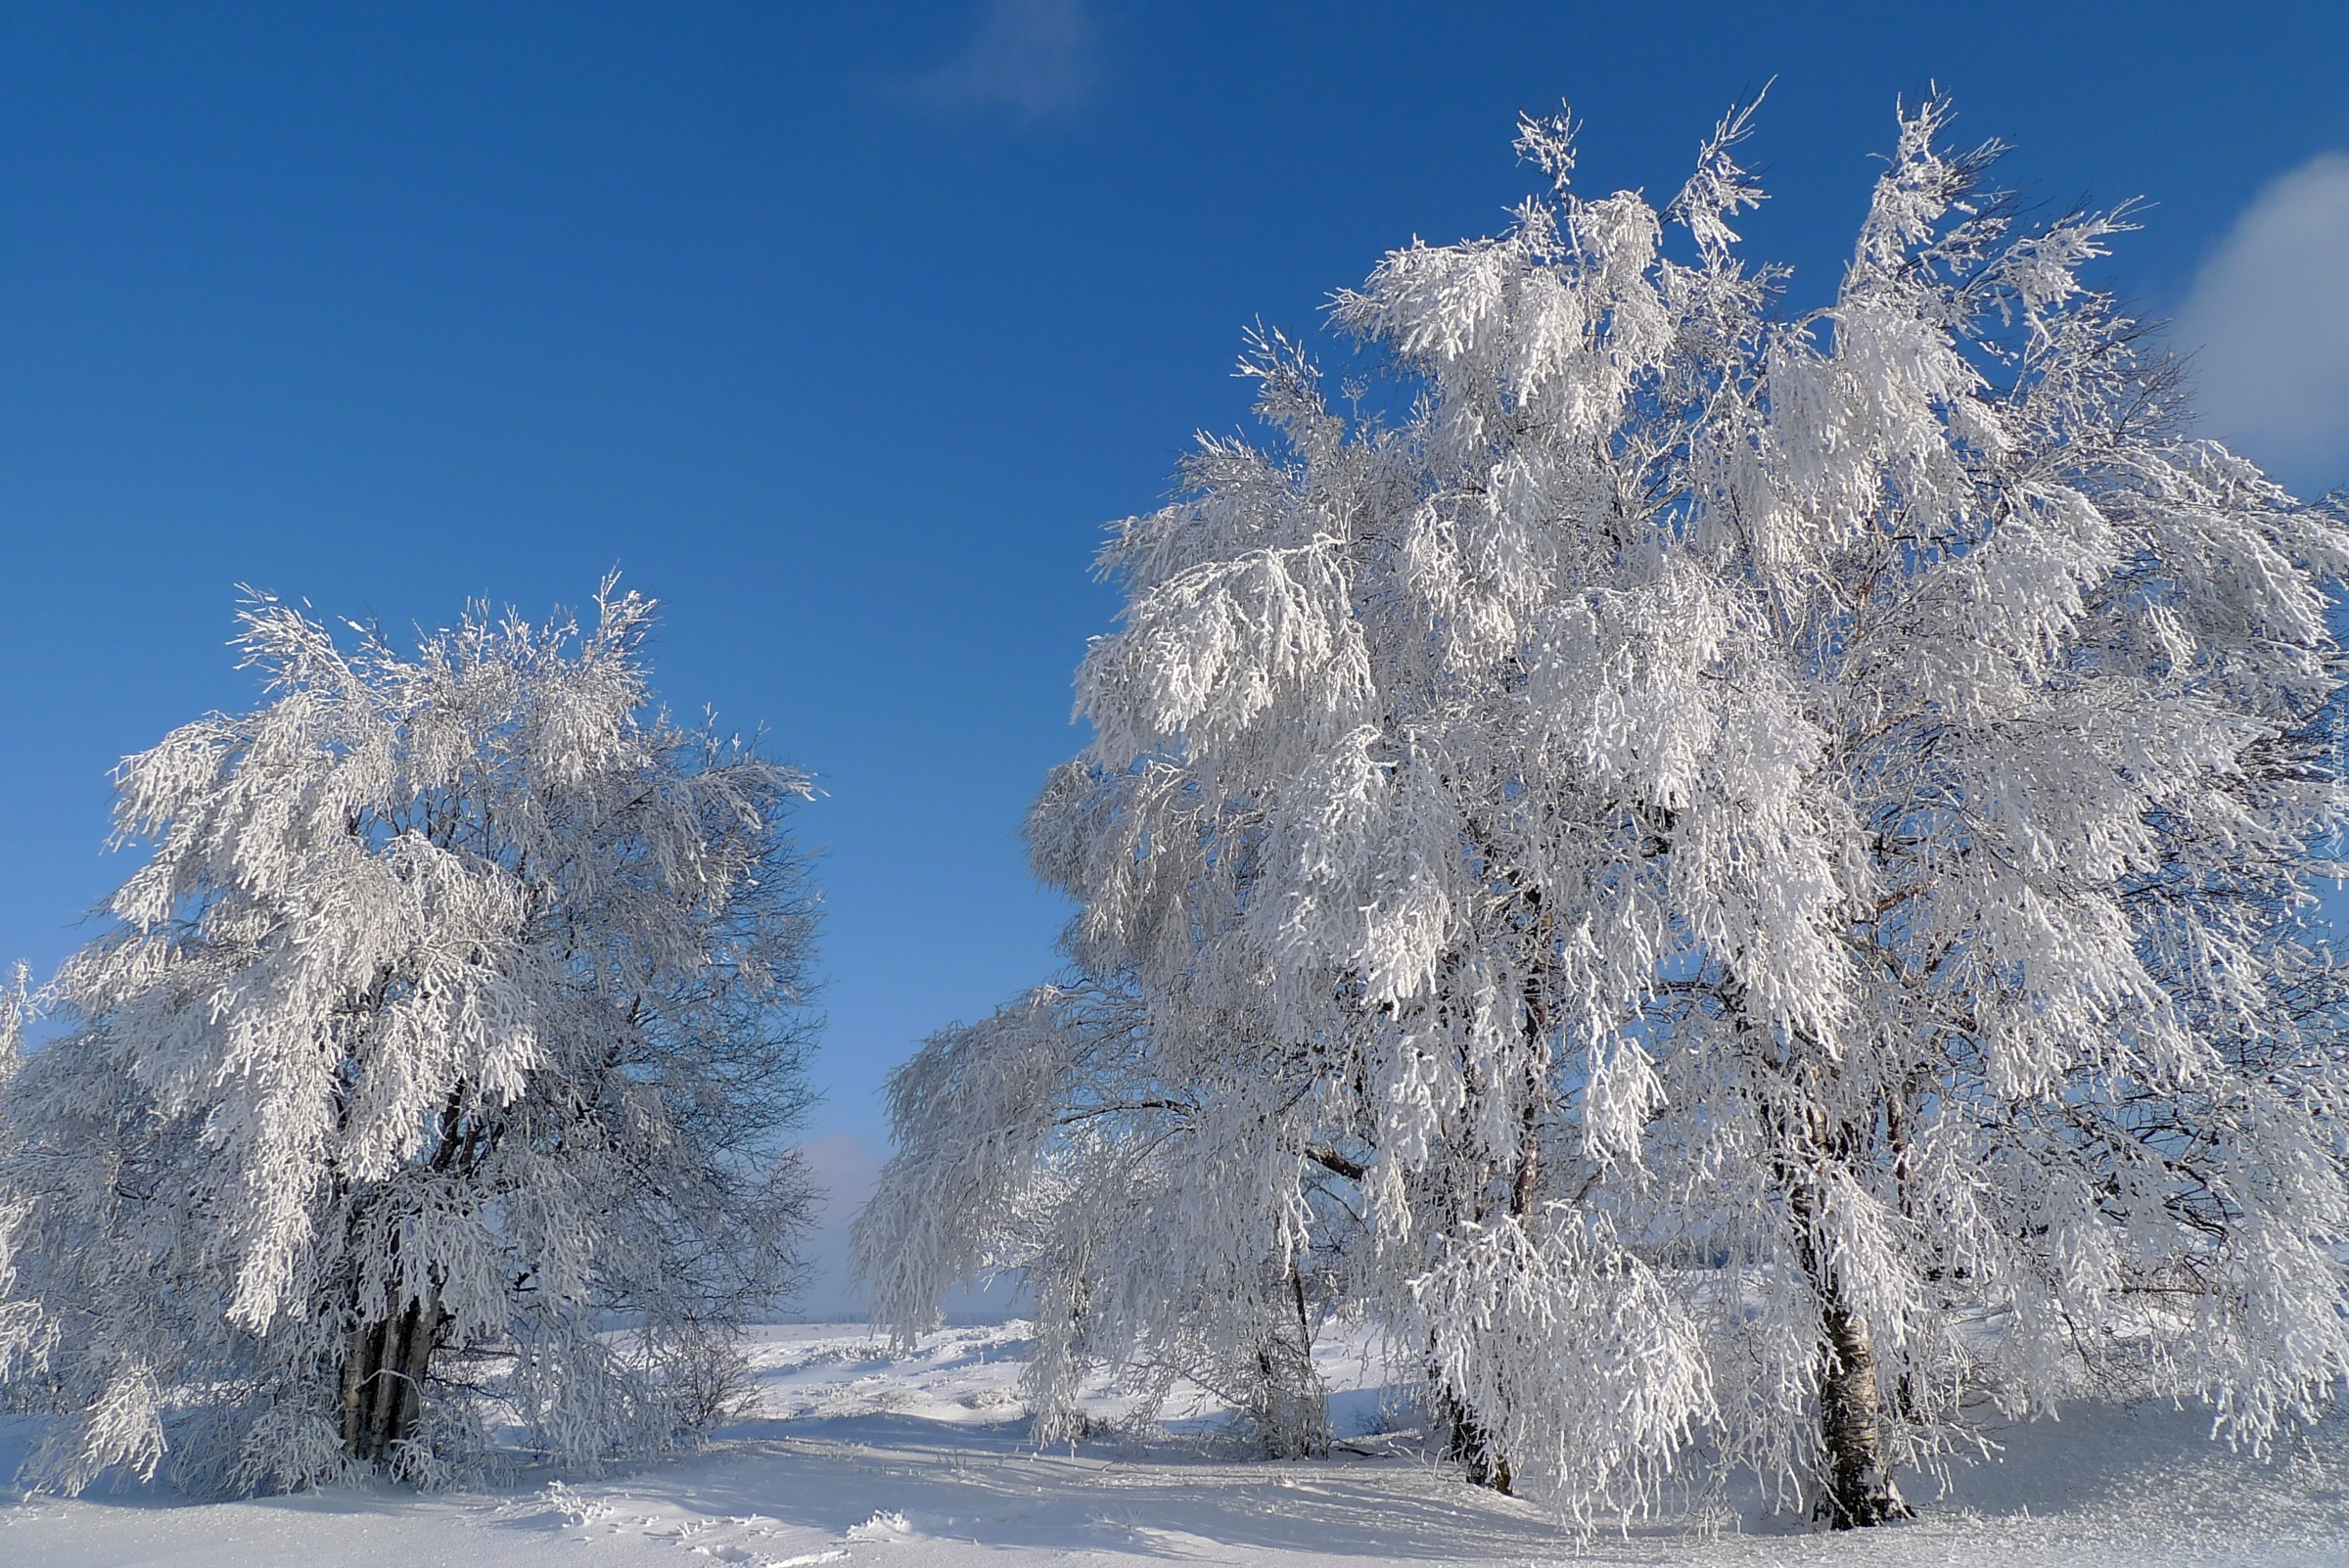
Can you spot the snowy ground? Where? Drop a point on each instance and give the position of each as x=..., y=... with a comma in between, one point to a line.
x=873, y=1461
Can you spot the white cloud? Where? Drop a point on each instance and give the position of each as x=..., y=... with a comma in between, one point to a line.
x=1034, y=57
x=2269, y=325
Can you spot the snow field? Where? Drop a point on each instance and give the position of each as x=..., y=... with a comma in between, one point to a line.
x=859, y=1456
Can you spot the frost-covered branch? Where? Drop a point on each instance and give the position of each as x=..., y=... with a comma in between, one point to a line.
x=1772, y=860
x=459, y=1004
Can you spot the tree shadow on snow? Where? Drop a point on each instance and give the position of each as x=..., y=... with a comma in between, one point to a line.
x=988, y=1483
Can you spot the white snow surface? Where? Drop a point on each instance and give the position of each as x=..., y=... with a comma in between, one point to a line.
x=860, y=1456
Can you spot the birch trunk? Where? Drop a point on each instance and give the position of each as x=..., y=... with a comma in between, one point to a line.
x=1858, y=1488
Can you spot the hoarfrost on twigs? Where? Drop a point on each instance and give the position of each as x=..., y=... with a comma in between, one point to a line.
x=1730, y=880
x=454, y=1022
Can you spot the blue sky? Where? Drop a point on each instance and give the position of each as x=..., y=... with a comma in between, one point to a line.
x=843, y=330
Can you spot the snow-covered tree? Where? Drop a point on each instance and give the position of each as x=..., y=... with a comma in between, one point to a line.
x=440, y=1054
x=1080, y=1156
x=20, y=1320
x=1764, y=862
x=15, y=1008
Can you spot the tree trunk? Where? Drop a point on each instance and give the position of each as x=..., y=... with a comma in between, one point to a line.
x=1290, y=1406
x=1859, y=1489
x=1467, y=1442
x=1291, y=1414
x=383, y=1380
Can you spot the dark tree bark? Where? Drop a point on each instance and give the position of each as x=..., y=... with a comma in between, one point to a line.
x=1857, y=1488
x=1468, y=1443
x=1291, y=1407
x=383, y=1380
x=386, y=1360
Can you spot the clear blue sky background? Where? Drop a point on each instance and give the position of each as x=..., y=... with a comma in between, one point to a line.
x=842, y=329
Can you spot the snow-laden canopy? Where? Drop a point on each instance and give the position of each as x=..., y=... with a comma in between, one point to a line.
x=453, y=1023
x=1729, y=879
